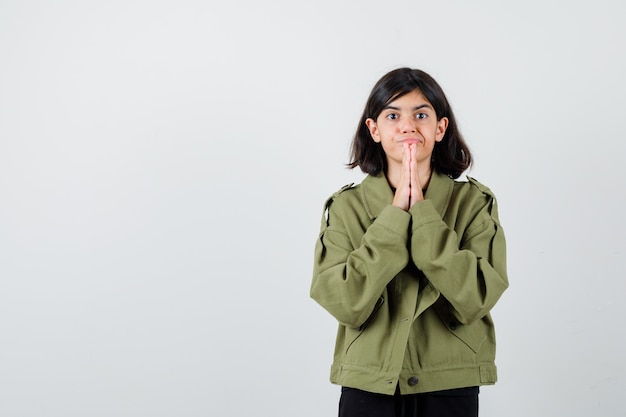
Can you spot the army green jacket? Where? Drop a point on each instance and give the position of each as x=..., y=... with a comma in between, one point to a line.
x=411, y=290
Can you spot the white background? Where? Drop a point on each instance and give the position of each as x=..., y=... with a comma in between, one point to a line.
x=163, y=166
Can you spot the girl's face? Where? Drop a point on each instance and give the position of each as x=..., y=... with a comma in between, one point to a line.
x=408, y=119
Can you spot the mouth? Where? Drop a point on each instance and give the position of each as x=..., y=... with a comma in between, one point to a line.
x=410, y=141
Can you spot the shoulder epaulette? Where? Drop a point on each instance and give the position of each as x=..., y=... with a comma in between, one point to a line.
x=483, y=188
x=330, y=200
x=342, y=189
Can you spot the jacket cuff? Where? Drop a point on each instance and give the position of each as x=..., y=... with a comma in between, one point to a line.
x=424, y=212
x=395, y=219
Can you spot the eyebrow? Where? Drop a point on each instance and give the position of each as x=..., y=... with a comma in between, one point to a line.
x=421, y=106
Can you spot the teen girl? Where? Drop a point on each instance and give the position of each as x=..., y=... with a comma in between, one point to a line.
x=411, y=261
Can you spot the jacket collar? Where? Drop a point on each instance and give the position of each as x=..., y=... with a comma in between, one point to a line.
x=377, y=193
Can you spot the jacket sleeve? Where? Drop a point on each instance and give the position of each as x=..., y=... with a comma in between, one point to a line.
x=352, y=269
x=468, y=270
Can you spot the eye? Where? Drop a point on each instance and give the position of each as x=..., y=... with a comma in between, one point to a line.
x=421, y=116
x=392, y=116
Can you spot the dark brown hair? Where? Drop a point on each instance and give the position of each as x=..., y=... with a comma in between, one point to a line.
x=451, y=156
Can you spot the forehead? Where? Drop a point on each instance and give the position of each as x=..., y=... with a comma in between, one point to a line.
x=411, y=99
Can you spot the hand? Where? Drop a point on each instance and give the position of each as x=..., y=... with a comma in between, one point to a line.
x=409, y=190
x=416, y=185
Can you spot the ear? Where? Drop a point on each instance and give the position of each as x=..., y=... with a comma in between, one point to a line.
x=373, y=128
x=442, y=125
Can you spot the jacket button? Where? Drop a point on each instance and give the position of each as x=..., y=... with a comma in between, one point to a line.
x=412, y=381
x=453, y=325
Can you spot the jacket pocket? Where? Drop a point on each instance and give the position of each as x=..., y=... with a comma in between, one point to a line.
x=353, y=334
x=472, y=335
x=379, y=303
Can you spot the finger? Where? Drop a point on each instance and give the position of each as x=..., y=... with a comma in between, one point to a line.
x=416, y=188
x=403, y=192
x=406, y=166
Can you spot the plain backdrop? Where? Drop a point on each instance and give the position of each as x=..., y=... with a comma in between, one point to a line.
x=163, y=166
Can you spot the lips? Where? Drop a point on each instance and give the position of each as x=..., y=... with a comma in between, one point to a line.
x=410, y=141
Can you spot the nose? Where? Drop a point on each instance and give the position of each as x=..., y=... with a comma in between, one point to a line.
x=407, y=126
